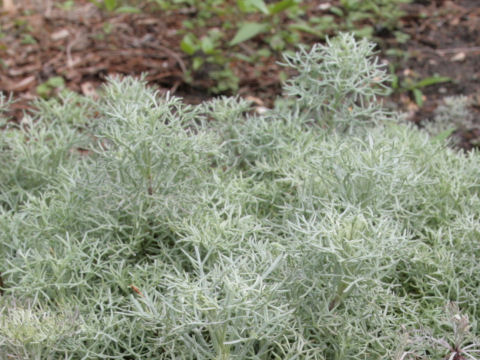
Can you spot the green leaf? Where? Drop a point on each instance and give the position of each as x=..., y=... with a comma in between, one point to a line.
x=197, y=63
x=207, y=45
x=418, y=95
x=189, y=44
x=96, y=3
x=248, y=31
x=28, y=39
x=432, y=81
x=395, y=83
x=336, y=10
x=364, y=32
x=401, y=37
x=243, y=5
x=110, y=5
x=128, y=10
x=305, y=27
x=260, y=5
x=443, y=135
x=264, y=52
x=277, y=43
x=56, y=82
x=281, y=6
x=43, y=90
x=252, y=5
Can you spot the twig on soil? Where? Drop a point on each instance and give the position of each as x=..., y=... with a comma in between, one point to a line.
x=443, y=52
x=459, y=49
x=172, y=54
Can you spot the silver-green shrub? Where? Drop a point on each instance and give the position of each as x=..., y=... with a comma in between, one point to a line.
x=338, y=83
x=137, y=227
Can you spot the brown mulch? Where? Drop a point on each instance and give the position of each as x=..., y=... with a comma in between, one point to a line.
x=445, y=41
x=85, y=45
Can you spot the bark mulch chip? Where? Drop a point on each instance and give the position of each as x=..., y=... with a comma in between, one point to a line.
x=85, y=45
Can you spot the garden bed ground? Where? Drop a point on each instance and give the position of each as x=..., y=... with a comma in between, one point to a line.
x=84, y=45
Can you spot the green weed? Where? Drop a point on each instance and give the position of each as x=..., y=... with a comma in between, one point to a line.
x=220, y=35
x=116, y=6
x=50, y=87
x=413, y=85
x=227, y=28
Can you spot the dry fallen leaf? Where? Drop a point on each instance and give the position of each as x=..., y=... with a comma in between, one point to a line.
x=324, y=6
x=89, y=90
x=9, y=6
x=459, y=57
x=255, y=100
x=22, y=85
x=59, y=35
x=260, y=110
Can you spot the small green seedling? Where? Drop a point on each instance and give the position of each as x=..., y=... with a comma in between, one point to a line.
x=114, y=5
x=444, y=135
x=276, y=26
x=50, y=87
x=28, y=39
x=247, y=31
x=212, y=49
x=414, y=87
x=66, y=5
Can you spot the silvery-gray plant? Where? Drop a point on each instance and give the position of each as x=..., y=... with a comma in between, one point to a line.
x=138, y=227
x=338, y=83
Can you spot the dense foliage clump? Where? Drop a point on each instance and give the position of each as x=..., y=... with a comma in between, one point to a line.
x=138, y=227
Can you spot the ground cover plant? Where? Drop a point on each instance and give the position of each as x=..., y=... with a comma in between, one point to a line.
x=138, y=227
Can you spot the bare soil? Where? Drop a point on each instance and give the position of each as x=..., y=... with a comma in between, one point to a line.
x=444, y=41
x=85, y=45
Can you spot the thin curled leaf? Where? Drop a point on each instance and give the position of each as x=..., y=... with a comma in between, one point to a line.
x=248, y=31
